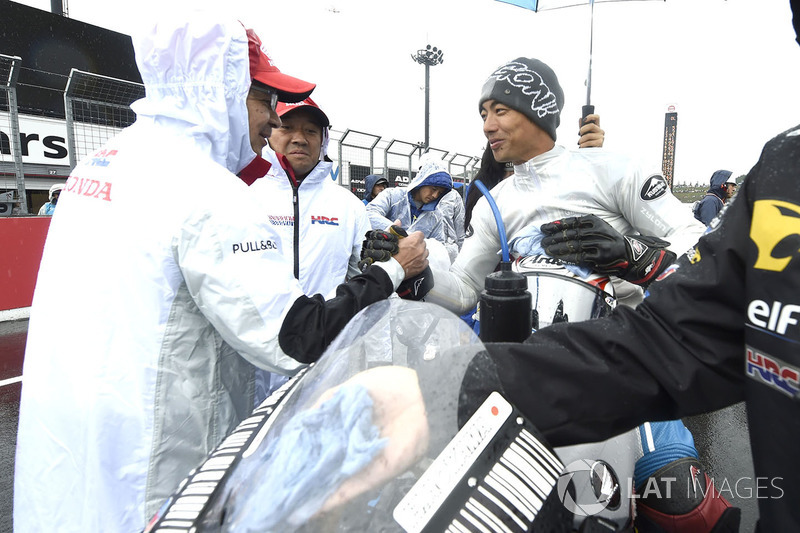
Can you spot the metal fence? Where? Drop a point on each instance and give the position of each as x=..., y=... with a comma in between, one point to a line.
x=10, y=147
x=398, y=162
x=97, y=107
x=462, y=166
x=395, y=159
x=356, y=159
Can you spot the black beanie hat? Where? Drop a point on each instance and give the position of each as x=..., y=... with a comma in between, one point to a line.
x=529, y=86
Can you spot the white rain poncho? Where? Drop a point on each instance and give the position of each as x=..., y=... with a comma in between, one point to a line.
x=160, y=287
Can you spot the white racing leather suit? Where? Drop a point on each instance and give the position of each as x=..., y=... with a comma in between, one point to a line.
x=160, y=286
x=563, y=183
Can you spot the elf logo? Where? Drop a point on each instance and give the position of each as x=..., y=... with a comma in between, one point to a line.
x=333, y=221
x=776, y=317
x=772, y=372
x=776, y=231
x=654, y=187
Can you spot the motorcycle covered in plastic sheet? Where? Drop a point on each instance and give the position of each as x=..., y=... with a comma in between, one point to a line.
x=560, y=295
x=368, y=439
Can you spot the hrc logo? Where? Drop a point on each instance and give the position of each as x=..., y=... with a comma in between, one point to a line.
x=773, y=372
x=333, y=221
x=776, y=231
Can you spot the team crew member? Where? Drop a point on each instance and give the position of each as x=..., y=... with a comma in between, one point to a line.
x=374, y=184
x=161, y=319
x=322, y=221
x=718, y=193
x=452, y=209
x=50, y=207
x=415, y=206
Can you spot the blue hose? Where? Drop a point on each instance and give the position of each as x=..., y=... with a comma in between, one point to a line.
x=501, y=228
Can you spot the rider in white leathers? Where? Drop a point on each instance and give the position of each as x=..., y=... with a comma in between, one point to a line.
x=551, y=183
x=552, y=186
x=615, y=188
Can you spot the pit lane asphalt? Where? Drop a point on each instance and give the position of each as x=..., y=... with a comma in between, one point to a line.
x=721, y=437
x=12, y=349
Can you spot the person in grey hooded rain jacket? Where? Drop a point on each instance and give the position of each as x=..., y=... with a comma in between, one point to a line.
x=416, y=206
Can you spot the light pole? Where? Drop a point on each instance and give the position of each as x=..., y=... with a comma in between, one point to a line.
x=430, y=56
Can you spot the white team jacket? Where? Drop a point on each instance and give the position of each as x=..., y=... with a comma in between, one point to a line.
x=157, y=270
x=325, y=228
x=562, y=183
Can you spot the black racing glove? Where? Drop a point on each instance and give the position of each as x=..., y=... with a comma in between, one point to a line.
x=417, y=287
x=380, y=245
x=592, y=242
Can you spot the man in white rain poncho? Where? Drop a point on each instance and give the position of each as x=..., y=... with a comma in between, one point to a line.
x=418, y=208
x=162, y=314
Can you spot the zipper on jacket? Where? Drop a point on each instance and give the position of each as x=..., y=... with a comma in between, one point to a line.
x=296, y=205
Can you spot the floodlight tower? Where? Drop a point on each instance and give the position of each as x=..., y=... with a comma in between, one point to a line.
x=430, y=57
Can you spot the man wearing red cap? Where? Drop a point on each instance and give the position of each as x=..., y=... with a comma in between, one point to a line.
x=162, y=319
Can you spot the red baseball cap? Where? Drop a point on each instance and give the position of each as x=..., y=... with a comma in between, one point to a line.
x=264, y=71
x=308, y=104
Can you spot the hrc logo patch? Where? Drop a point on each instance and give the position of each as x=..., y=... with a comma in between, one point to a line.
x=332, y=221
x=670, y=270
x=772, y=372
x=776, y=231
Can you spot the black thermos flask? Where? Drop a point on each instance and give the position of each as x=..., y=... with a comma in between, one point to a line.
x=505, y=306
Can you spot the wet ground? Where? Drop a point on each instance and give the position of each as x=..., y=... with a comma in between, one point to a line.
x=12, y=348
x=721, y=437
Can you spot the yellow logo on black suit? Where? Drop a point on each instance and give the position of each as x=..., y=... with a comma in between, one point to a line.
x=776, y=231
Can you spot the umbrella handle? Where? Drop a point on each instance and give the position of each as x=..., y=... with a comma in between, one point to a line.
x=586, y=110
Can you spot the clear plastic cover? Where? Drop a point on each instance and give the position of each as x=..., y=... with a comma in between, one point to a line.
x=357, y=431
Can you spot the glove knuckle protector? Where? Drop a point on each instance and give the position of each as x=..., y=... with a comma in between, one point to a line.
x=379, y=245
x=379, y=241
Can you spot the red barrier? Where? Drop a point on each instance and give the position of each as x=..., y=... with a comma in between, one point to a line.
x=21, y=242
